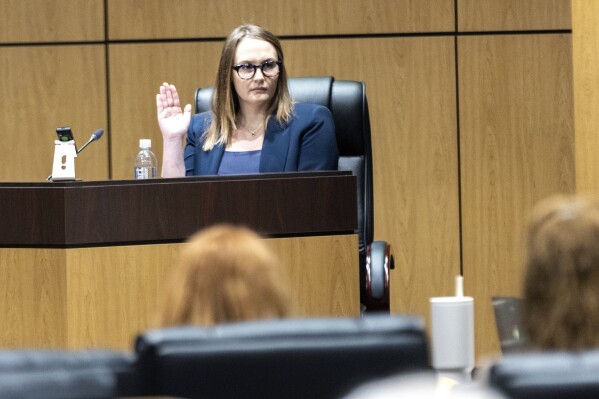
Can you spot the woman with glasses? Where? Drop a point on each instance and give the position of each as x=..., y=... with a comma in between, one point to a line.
x=254, y=126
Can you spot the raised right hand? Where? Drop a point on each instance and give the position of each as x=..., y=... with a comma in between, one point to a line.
x=173, y=122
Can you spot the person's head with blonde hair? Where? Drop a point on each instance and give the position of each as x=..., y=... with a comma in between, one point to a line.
x=225, y=99
x=561, y=287
x=225, y=274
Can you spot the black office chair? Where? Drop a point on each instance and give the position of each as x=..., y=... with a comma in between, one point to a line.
x=547, y=375
x=347, y=102
x=67, y=374
x=285, y=358
x=90, y=383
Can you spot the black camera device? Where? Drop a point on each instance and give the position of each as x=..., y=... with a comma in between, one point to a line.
x=64, y=134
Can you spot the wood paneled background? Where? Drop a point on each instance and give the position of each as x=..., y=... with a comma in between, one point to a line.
x=585, y=44
x=516, y=146
x=473, y=109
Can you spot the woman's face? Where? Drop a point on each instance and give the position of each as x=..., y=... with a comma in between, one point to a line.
x=260, y=89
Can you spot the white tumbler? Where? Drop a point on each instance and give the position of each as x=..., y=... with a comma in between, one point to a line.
x=452, y=333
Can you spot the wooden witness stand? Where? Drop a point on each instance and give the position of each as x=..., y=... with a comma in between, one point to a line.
x=82, y=264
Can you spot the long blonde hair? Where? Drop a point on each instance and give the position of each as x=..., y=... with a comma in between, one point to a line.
x=224, y=274
x=225, y=101
x=561, y=288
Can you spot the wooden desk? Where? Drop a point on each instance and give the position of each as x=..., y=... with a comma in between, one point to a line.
x=82, y=264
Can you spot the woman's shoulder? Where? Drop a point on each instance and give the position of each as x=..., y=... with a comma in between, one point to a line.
x=309, y=108
x=200, y=122
x=203, y=116
x=311, y=111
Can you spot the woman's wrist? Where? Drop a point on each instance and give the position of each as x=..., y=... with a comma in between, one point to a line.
x=172, y=139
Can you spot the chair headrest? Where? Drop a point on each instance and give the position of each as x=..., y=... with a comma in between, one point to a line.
x=547, y=375
x=85, y=383
x=314, y=90
x=119, y=364
x=290, y=358
x=291, y=330
x=28, y=360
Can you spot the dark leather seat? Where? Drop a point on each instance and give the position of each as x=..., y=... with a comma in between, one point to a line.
x=293, y=358
x=548, y=375
x=347, y=102
x=67, y=374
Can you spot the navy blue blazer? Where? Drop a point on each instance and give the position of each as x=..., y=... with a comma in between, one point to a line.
x=306, y=142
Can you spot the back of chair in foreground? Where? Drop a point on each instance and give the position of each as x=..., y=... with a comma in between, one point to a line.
x=90, y=383
x=296, y=358
x=549, y=375
x=49, y=374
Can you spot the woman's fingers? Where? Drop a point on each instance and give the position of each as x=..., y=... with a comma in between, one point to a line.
x=168, y=100
x=163, y=96
x=159, y=104
x=175, y=96
x=169, y=89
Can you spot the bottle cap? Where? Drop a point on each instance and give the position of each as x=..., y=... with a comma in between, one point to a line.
x=145, y=143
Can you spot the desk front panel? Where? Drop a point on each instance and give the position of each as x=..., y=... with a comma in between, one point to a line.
x=102, y=297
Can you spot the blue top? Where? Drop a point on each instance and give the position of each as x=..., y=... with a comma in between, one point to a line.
x=306, y=142
x=239, y=162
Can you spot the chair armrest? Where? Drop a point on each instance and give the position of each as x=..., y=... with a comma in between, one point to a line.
x=379, y=261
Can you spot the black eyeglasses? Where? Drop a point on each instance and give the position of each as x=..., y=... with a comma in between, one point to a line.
x=269, y=68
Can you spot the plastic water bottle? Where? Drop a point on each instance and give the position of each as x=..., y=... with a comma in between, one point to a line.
x=146, y=165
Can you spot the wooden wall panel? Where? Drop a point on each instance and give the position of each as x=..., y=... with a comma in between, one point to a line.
x=136, y=73
x=502, y=15
x=151, y=19
x=517, y=147
x=51, y=21
x=411, y=95
x=585, y=49
x=45, y=87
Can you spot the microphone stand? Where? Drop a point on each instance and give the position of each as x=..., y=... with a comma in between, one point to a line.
x=86, y=144
x=95, y=136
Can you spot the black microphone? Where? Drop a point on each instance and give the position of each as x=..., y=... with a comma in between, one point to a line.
x=95, y=136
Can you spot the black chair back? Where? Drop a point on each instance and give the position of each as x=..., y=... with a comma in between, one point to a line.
x=295, y=358
x=89, y=383
x=67, y=374
x=549, y=375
